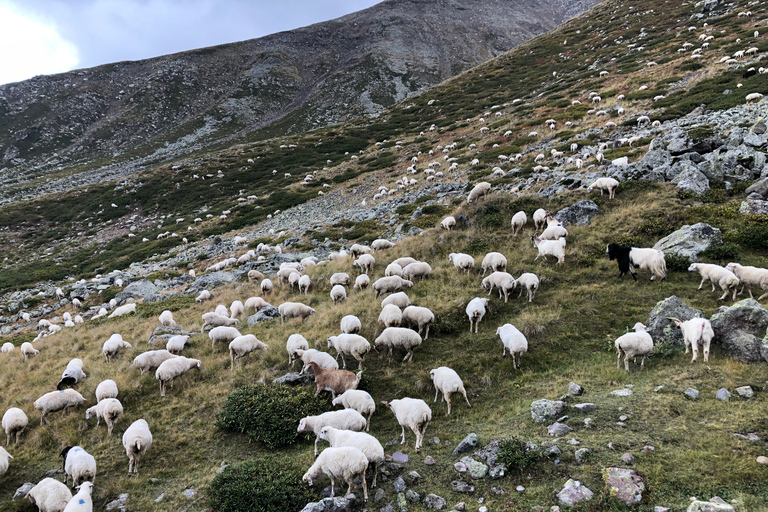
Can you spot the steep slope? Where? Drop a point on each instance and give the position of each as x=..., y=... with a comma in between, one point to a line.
x=116, y=118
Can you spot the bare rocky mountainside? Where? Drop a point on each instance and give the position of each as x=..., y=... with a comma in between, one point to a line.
x=120, y=117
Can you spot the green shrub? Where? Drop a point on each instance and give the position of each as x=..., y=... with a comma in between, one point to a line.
x=721, y=253
x=269, y=413
x=152, y=309
x=267, y=485
x=516, y=456
x=677, y=263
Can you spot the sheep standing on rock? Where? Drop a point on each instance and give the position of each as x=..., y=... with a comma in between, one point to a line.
x=343, y=463
x=113, y=345
x=462, y=261
x=479, y=191
x=399, y=338
x=608, y=184
x=298, y=310
x=166, y=319
x=633, y=344
x=448, y=382
x=494, y=261
x=529, y=282
x=79, y=465
x=136, y=440
x=630, y=258
x=476, y=310
x=14, y=423
x=369, y=445
x=695, y=331
x=749, y=277
x=724, y=278
x=170, y=369
x=244, y=345
x=514, y=341
x=519, y=220
x=358, y=400
x=49, y=495
x=346, y=419
x=350, y=344
x=110, y=409
x=412, y=413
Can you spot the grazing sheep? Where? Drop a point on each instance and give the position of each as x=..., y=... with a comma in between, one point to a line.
x=393, y=269
x=695, y=331
x=755, y=96
x=749, y=277
x=14, y=423
x=519, y=220
x=333, y=380
x=420, y=269
x=255, y=275
x=176, y=344
x=203, y=296
x=390, y=316
x=514, y=341
x=362, y=282
x=81, y=502
x=49, y=495
x=350, y=344
x=390, y=284
x=216, y=319
x=399, y=338
x=405, y=261
x=28, y=350
x=304, y=283
x=479, y=191
x=290, y=310
x=113, y=345
x=380, y=244
x=110, y=409
x=357, y=250
x=630, y=258
x=341, y=278
x=369, y=445
x=4, y=460
x=266, y=286
x=554, y=232
x=476, y=310
x=726, y=279
x=125, y=309
x=346, y=419
x=295, y=342
x=633, y=344
x=400, y=299
x=136, y=440
x=79, y=465
x=166, y=319
x=528, y=281
x=343, y=463
x=358, y=400
x=151, y=360
x=503, y=281
x=236, y=309
x=539, y=218
x=419, y=317
x=412, y=413
x=7, y=348
x=350, y=324
x=106, y=389
x=448, y=381
x=494, y=261
x=338, y=294
x=170, y=369
x=608, y=184
x=323, y=359
x=462, y=261
x=72, y=374
x=448, y=222
x=256, y=303
x=244, y=345
x=554, y=248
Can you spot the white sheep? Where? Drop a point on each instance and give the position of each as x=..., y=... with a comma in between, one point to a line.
x=256, y=303
x=311, y=355
x=350, y=324
x=57, y=401
x=113, y=345
x=346, y=419
x=462, y=261
x=390, y=284
x=419, y=317
x=448, y=222
x=716, y=274
x=222, y=310
x=476, y=310
x=298, y=310
x=176, y=344
x=79, y=465
x=390, y=316
x=479, y=191
x=304, y=283
x=266, y=286
x=236, y=309
x=633, y=344
x=222, y=334
x=341, y=278
x=166, y=319
x=554, y=248
x=343, y=463
x=405, y=261
x=49, y=495
x=553, y=232
x=106, y=389
x=514, y=341
x=494, y=261
x=755, y=96
x=362, y=282
x=400, y=299
x=369, y=445
x=150, y=360
x=365, y=262
x=519, y=220
x=412, y=413
x=203, y=296
x=109, y=409
x=695, y=331
x=358, y=249
x=244, y=345
x=358, y=400
x=28, y=350
x=136, y=440
x=7, y=347
x=399, y=338
x=749, y=277
x=417, y=269
x=380, y=244
x=125, y=309
x=539, y=218
x=295, y=342
x=14, y=423
x=217, y=319
x=350, y=344
x=393, y=269
x=448, y=382
x=608, y=184
x=170, y=369
x=4, y=460
x=338, y=294
x=529, y=282
x=503, y=281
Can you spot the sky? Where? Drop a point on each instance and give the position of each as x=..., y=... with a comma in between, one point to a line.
x=39, y=37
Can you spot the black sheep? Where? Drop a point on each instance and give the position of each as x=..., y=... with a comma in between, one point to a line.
x=620, y=253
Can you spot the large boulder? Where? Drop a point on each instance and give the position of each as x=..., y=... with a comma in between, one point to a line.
x=140, y=289
x=329, y=505
x=574, y=492
x=759, y=187
x=754, y=205
x=741, y=329
x=579, y=214
x=542, y=410
x=663, y=330
x=656, y=162
x=688, y=177
x=264, y=314
x=689, y=241
x=716, y=504
x=624, y=484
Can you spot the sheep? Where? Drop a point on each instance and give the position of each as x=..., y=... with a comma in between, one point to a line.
x=633, y=344
x=257, y=303
x=81, y=502
x=390, y=316
x=529, y=282
x=476, y=310
x=14, y=423
x=216, y=320
x=72, y=374
x=380, y=244
x=333, y=380
x=176, y=344
x=136, y=440
x=283, y=274
x=503, y=281
x=554, y=248
x=362, y=282
x=390, y=284
x=49, y=495
x=290, y=310
x=448, y=222
x=608, y=184
x=357, y=249
x=755, y=96
x=393, y=269
x=345, y=463
x=420, y=269
x=369, y=445
x=494, y=261
x=323, y=359
x=295, y=342
x=149, y=361
x=346, y=419
x=412, y=413
x=7, y=348
x=399, y=338
x=166, y=319
x=28, y=350
x=170, y=369
x=222, y=310
x=236, y=309
x=203, y=296
x=419, y=317
x=255, y=275
x=695, y=331
x=5, y=459
x=726, y=279
x=404, y=261
x=462, y=261
x=479, y=191
x=350, y=344
x=266, y=286
x=350, y=324
x=629, y=258
x=341, y=278
x=519, y=221
x=749, y=277
x=110, y=409
x=358, y=400
x=514, y=341
x=304, y=283
x=244, y=345
x=338, y=294
x=554, y=233
x=222, y=334
x=448, y=381
x=79, y=465
x=125, y=309
x=106, y=389
x=539, y=218
x=113, y=345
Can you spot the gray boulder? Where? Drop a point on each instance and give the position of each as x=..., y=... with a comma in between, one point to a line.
x=579, y=214
x=558, y=429
x=656, y=162
x=759, y=187
x=624, y=484
x=741, y=329
x=716, y=504
x=573, y=492
x=141, y=289
x=754, y=205
x=295, y=378
x=434, y=501
x=329, y=505
x=542, y=410
x=264, y=314
x=23, y=490
x=665, y=331
x=466, y=444
x=689, y=241
x=688, y=177
x=211, y=281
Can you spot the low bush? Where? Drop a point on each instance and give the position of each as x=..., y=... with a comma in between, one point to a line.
x=515, y=454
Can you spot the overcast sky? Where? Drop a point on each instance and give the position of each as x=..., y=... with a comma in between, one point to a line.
x=40, y=37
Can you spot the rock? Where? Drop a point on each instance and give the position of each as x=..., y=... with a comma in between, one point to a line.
x=429, y=461
x=740, y=330
x=692, y=393
x=460, y=467
x=586, y=407
x=579, y=214
x=574, y=389
x=460, y=486
x=755, y=140
x=520, y=488
x=412, y=496
x=689, y=241
x=714, y=505
x=655, y=162
x=762, y=460
x=688, y=177
x=573, y=492
x=648, y=449
x=295, y=378
x=663, y=330
x=628, y=459
x=754, y=205
x=466, y=444
x=621, y=392
x=552, y=451
x=413, y=477
x=558, y=429
x=759, y=187
x=622, y=418
x=624, y=484
x=23, y=490
x=189, y=493
x=264, y=314
x=402, y=504
x=582, y=454
x=160, y=498
x=434, y=440
x=400, y=457
x=434, y=501
x=588, y=422
x=745, y=392
x=119, y=503
x=661, y=509
x=723, y=395
x=542, y=410
x=460, y=506
x=380, y=495
x=476, y=469
x=210, y=281
x=399, y=485
x=751, y=436
x=136, y=290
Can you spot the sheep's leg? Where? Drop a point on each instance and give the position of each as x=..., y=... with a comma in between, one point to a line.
x=368, y=422
x=618, y=361
x=687, y=345
x=8, y=439
x=418, y=439
x=626, y=361
x=713, y=285
x=506, y=296
x=706, y=351
x=447, y=397
x=642, y=363
x=359, y=361
x=464, y=392
x=762, y=296
x=375, y=473
x=343, y=361
x=530, y=295
x=333, y=487
x=725, y=293
x=317, y=438
x=470, y=326
x=365, y=488
x=43, y=421
x=64, y=411
x=703, y=280
x=436, y=392
x=427, y=333
x=695, y=350
x=403, y=441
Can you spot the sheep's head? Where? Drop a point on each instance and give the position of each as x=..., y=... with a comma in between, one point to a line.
x=432, y=374
x=307, y=479
x=323, y=435
x=694, y=267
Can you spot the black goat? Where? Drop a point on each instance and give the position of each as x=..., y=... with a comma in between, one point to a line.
x=620, y=253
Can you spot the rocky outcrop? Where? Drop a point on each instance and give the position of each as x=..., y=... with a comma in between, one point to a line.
x=663, y=330
x=741, y=329
x=689, y=241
